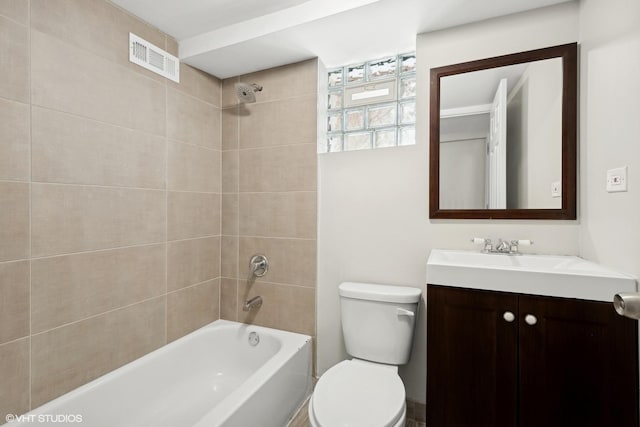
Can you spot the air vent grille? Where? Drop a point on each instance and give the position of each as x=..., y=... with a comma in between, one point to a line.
x=153, y=58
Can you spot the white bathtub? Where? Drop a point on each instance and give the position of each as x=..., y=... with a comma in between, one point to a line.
x=211, y=377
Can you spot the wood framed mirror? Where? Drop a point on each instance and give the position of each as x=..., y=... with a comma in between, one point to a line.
x=503, y=137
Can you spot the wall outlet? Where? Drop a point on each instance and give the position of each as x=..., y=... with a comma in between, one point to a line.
x=617, y=179
x=556, y=189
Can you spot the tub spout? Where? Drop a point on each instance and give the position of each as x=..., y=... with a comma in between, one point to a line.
x=254, y=302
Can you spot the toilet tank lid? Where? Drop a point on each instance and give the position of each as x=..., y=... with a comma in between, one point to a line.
x=376, y=292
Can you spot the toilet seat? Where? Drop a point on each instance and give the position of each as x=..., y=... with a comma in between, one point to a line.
x=357, y=393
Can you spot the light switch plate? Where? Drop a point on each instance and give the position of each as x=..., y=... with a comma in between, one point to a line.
x=556, y=189
x=617, y=179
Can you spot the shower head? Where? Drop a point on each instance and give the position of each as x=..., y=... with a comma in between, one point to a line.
x=247, y=92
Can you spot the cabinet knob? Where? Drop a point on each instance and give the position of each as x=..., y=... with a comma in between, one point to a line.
x=530, y=319
x=508, y=316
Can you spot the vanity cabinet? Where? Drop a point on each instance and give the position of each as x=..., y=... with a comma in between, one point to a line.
x=500, y=359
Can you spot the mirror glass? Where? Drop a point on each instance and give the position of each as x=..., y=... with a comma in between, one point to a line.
x=504, y=130
x=493, y=124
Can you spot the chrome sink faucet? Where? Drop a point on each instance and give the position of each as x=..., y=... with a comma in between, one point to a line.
x=503, y=247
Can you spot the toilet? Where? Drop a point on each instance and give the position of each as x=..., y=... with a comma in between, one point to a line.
x=366, y=391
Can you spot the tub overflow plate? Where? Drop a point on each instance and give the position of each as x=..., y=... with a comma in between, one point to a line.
x=254, y=339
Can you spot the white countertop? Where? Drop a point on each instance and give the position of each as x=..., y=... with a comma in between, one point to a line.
x=547, y=275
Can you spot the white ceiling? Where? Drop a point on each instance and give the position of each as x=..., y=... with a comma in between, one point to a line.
x=232, y=37
x=187, y=18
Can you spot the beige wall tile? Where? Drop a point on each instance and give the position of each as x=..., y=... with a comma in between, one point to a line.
x=290, y=168
x=89, y=236
x=229, y=97
x=229, y=256
x=191, y=308
x=278, y=214
x=230, y=214
x=193, y=168
x=99, y=120
x=14, y=221
x=14, y=371
x=287, y=81
x=69, y=288
x=286, y=122
x=14, y=134
x=18, y=10
x=199, y=84
x=72, y=149
x=230, y=122
x=291, y=308
x=76, y=21
x=14, y=300
x=192, y=261
x=91, y=86
x=193, y=215
x=230, y=171
x=192, y=120
x=67, y=357
x=291, y=261
x=228, y=299
x=69, y=218
x=14, y=60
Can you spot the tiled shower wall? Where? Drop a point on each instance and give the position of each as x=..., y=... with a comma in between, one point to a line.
x=110, y=181
x=269, y=193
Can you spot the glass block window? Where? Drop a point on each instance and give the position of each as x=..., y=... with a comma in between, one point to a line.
x=382, y=68
x=371, y=105
x=354, y=119
x=334, y=122
x=407, y=112
x=335, y=100
x=335, y=78
x=381, y=115
x=357, y=141
x=355, y=73
x=385, y=137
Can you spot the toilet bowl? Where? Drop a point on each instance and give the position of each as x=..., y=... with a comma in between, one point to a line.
x=366, y=391
x=357, y=393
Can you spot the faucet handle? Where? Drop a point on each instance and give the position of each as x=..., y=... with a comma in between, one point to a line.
x=515, y=244
x=479, y=240
x=488, y=246
x=258, y=265
x=526, y=242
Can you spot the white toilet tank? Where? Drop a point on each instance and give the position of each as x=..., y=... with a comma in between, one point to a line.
x=378, y=321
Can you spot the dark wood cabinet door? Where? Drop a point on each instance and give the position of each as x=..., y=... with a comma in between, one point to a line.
x=578, y=364
x=471, y=358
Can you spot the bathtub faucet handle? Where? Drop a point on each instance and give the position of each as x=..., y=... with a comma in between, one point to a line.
x=258, y=265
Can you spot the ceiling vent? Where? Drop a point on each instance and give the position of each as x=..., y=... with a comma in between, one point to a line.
x=153, y=58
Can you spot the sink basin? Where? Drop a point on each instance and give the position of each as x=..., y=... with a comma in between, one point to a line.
x=550, y=275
